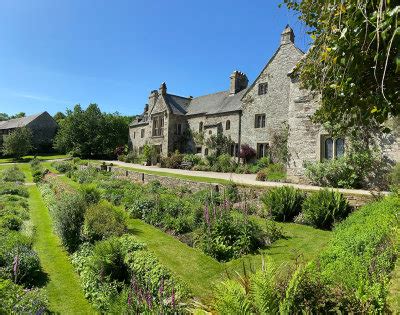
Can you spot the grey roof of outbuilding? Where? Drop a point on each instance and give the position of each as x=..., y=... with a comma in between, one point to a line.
x=18, y=122
x=217, y=103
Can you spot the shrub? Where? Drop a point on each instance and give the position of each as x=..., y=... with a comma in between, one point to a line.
x=247, y=153
x=15, y=300
x=68, y=211
x=230, y=235
x=12, y=174
x=395, y=177
x=103, y=220
x=118, y=270
x=90, y=193
x=257, y=293
x=172, y=161
x=324, y=208
x=64, y=166
x=283, y=203
x=231, y=192
x=354, y=170
x=13, y=189
x=225, y=163
x=193, y=158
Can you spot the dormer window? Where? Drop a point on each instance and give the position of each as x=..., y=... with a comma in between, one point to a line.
x=262, y=88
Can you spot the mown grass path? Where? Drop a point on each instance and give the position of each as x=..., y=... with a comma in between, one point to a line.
x=63, y=288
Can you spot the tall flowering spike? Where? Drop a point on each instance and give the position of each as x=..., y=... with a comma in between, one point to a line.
x=207, y=215
x=214, y=212
x=149, y=300
x=161, y=288
x=173, y=297
x=16, y=267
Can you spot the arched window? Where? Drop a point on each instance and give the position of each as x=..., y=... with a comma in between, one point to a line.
x=339, y=147
x=201, y=126
x=328, y=149
x=228, y=125
x=206, y=151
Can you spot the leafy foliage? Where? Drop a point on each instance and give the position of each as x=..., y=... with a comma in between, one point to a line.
x=89, y=133
x=12, y=174
x=352, y=274
x=18, y=143
x=246, y=153
x=283, y=203
x=354, y=62
x=324, y=208
x=102, y=221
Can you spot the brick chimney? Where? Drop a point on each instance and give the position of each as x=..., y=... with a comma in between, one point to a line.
x=239, y=82
x=287, y=36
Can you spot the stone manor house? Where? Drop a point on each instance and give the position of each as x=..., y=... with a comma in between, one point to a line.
x=247, y=114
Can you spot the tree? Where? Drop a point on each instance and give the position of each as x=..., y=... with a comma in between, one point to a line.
x=18, y=143
x=59, y=116
x=219, y=143
x=89, y=133
x=4, y=116
x=354, y=62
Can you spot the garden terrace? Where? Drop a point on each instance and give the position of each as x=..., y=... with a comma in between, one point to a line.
x=300, y=243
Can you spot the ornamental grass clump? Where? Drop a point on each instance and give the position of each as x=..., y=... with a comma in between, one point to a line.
x=324, y=208
x=12, y=174
x=282, y=203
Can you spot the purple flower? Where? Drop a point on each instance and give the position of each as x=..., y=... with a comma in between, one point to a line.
x=173, y=297
x=207, y=215
x=215, y=213
x=149, y=300
x=16, y=267
x=161, y=288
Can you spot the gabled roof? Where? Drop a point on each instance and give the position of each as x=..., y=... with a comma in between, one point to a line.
x=269, y=62
x=178, y=104
x=19, y=122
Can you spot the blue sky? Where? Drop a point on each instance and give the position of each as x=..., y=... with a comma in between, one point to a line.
x=54, y=54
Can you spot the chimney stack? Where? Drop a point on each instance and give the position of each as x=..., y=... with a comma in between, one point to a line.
x=287, y=36
x=163, y=89
x=239, y=82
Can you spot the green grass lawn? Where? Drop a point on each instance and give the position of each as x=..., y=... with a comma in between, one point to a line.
x=201, y=272
x=394, y=288
x=27, y=158
x=63, y=287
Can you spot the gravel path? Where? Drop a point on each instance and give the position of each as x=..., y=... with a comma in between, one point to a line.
x=246, y=179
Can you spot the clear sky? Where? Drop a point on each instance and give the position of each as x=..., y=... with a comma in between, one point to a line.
x=57, y=53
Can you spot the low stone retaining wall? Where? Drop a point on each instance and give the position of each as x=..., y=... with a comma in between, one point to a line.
x=249, y=192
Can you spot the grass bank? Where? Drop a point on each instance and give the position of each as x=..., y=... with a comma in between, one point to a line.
x=63, y=288
x=27, y=158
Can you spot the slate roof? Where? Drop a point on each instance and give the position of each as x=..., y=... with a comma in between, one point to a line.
x=178, y=104
x=217, y=103
x=18, y=122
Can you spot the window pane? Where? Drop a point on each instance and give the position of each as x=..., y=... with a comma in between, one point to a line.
x=329, y=149
x=339, y=147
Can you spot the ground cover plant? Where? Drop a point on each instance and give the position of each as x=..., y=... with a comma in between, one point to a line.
x=20, y=269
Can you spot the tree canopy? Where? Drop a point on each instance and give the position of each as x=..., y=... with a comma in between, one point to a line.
x=354, y=62
x=91, y=133
x=4, y=116
x=18, y=143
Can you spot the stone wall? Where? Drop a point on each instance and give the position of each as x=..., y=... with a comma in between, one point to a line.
x=275, y=103
x=250, y=193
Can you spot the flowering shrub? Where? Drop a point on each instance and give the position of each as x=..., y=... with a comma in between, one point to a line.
x=120, y=276
x=247, y=153
x=12, y=174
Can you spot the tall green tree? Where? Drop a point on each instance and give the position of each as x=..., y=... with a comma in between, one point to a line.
x=354, y=62
x=90, y=133
x=18, y=143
